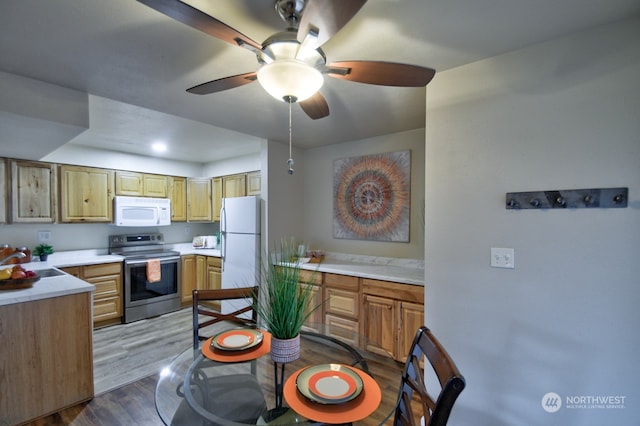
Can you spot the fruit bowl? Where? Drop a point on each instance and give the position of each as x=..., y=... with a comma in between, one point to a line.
x=15, y=284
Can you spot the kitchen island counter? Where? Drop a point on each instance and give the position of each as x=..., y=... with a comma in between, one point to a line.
x=47, y=359
x=45, y=288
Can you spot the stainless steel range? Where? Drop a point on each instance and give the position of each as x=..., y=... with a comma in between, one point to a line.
x=142, y=298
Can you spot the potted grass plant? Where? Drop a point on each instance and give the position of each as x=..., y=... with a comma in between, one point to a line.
x=43, y=251
x=284, y=305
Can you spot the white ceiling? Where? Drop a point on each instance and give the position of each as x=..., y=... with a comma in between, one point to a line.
x=138, y=63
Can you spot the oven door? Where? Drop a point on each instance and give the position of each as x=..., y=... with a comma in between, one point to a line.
x=138, y=291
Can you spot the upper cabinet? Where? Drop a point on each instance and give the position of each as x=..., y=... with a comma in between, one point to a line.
x=254, y=183
x=40, y=192
x=154, y=186
x=128, y=183
x=199, y=202
x=33, y=192
x=216, y=194
x=3, y=190
x=234, y=185
x=86, y=194
x=178, y=196
x=141, y=184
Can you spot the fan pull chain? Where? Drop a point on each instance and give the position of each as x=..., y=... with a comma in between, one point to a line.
x=290, y=160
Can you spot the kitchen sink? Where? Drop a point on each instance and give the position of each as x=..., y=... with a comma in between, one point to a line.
x=51, y=272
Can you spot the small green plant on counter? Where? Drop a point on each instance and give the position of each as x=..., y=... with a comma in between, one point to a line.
x=42, y=249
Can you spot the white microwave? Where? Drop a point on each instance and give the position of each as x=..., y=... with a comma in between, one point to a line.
x=141, y=211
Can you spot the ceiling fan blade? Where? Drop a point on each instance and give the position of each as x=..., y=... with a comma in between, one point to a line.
x=326, y=17
x=382, y=73
x=199, y=20
x=315, y=107
x=223, y=83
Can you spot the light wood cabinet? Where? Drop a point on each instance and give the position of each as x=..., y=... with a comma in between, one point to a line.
x=254, y=183
x=199, y=202
x=128, y=183
x=234, y=185
x=313, y=280
x=86, y=194
x=154, y=186
x=178, y=196
x=411, y=318
x=216, y=194
x=3, y=190
x=202, y=273
x=188, y=278
x=34, y=194
x=140, y=184
x=214, y=277
x=392, y=312
x=107, y=297
x=342, y=305
x=46, y=358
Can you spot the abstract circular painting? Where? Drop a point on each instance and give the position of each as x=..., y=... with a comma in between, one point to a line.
x=371, y=197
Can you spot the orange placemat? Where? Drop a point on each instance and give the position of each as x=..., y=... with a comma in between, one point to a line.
x=361, y=407
x=237, y=356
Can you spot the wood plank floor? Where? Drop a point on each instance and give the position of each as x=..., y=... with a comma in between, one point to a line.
x=127, y=360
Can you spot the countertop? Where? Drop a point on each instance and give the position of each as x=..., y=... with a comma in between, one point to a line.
x=44, y=288
x=383, y=272
x=406, y=271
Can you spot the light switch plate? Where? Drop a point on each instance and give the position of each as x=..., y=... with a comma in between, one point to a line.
x=502, y=258
x=44, y=236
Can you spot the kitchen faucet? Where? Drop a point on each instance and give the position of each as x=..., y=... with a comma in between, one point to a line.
x=17, y=254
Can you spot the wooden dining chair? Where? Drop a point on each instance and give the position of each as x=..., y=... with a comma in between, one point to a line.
x=237, y=397
x=435, y=407
x=245, y=316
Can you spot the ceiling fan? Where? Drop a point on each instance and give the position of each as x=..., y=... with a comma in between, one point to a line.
x=292, y=61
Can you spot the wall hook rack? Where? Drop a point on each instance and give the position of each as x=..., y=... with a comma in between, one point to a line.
x=568, y=198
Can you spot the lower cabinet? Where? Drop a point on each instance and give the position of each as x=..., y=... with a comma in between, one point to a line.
x=107, y=297
x=313, y=281
x=392, y=314
x=214, y=277
x=46, y=361
x=202, y=273
x=188, y=278
x=342, y=306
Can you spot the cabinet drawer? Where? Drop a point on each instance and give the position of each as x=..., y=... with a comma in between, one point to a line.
x=341, y=328
x=76, y=271
x=398, y=291
x=341, y=281
x=310, y=277
x=101, y=270
x=342, y=302
x=108, y=308
x=213, y=262
x=105, y=287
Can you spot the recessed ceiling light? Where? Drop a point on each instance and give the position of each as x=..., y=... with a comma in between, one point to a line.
x=159, y=147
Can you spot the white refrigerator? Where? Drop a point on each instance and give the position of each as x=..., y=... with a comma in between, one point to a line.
x=239, y=246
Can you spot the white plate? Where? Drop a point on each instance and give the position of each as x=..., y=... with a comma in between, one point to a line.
x=329, y=383
x=237, y=340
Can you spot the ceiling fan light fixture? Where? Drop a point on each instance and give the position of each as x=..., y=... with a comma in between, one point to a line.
x=288, y=78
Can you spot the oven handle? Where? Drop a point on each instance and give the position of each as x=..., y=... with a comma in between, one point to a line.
x=142, y=262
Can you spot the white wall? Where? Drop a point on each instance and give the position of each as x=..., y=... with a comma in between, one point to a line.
x=71, y=154
x=229, y=166
x=559, y=115
x=317, y=206
x=282, y=194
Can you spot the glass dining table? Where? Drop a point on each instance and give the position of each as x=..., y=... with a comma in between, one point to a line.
x=371, y=382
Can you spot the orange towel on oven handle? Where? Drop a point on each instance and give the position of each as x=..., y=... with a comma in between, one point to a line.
x=153, y=270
